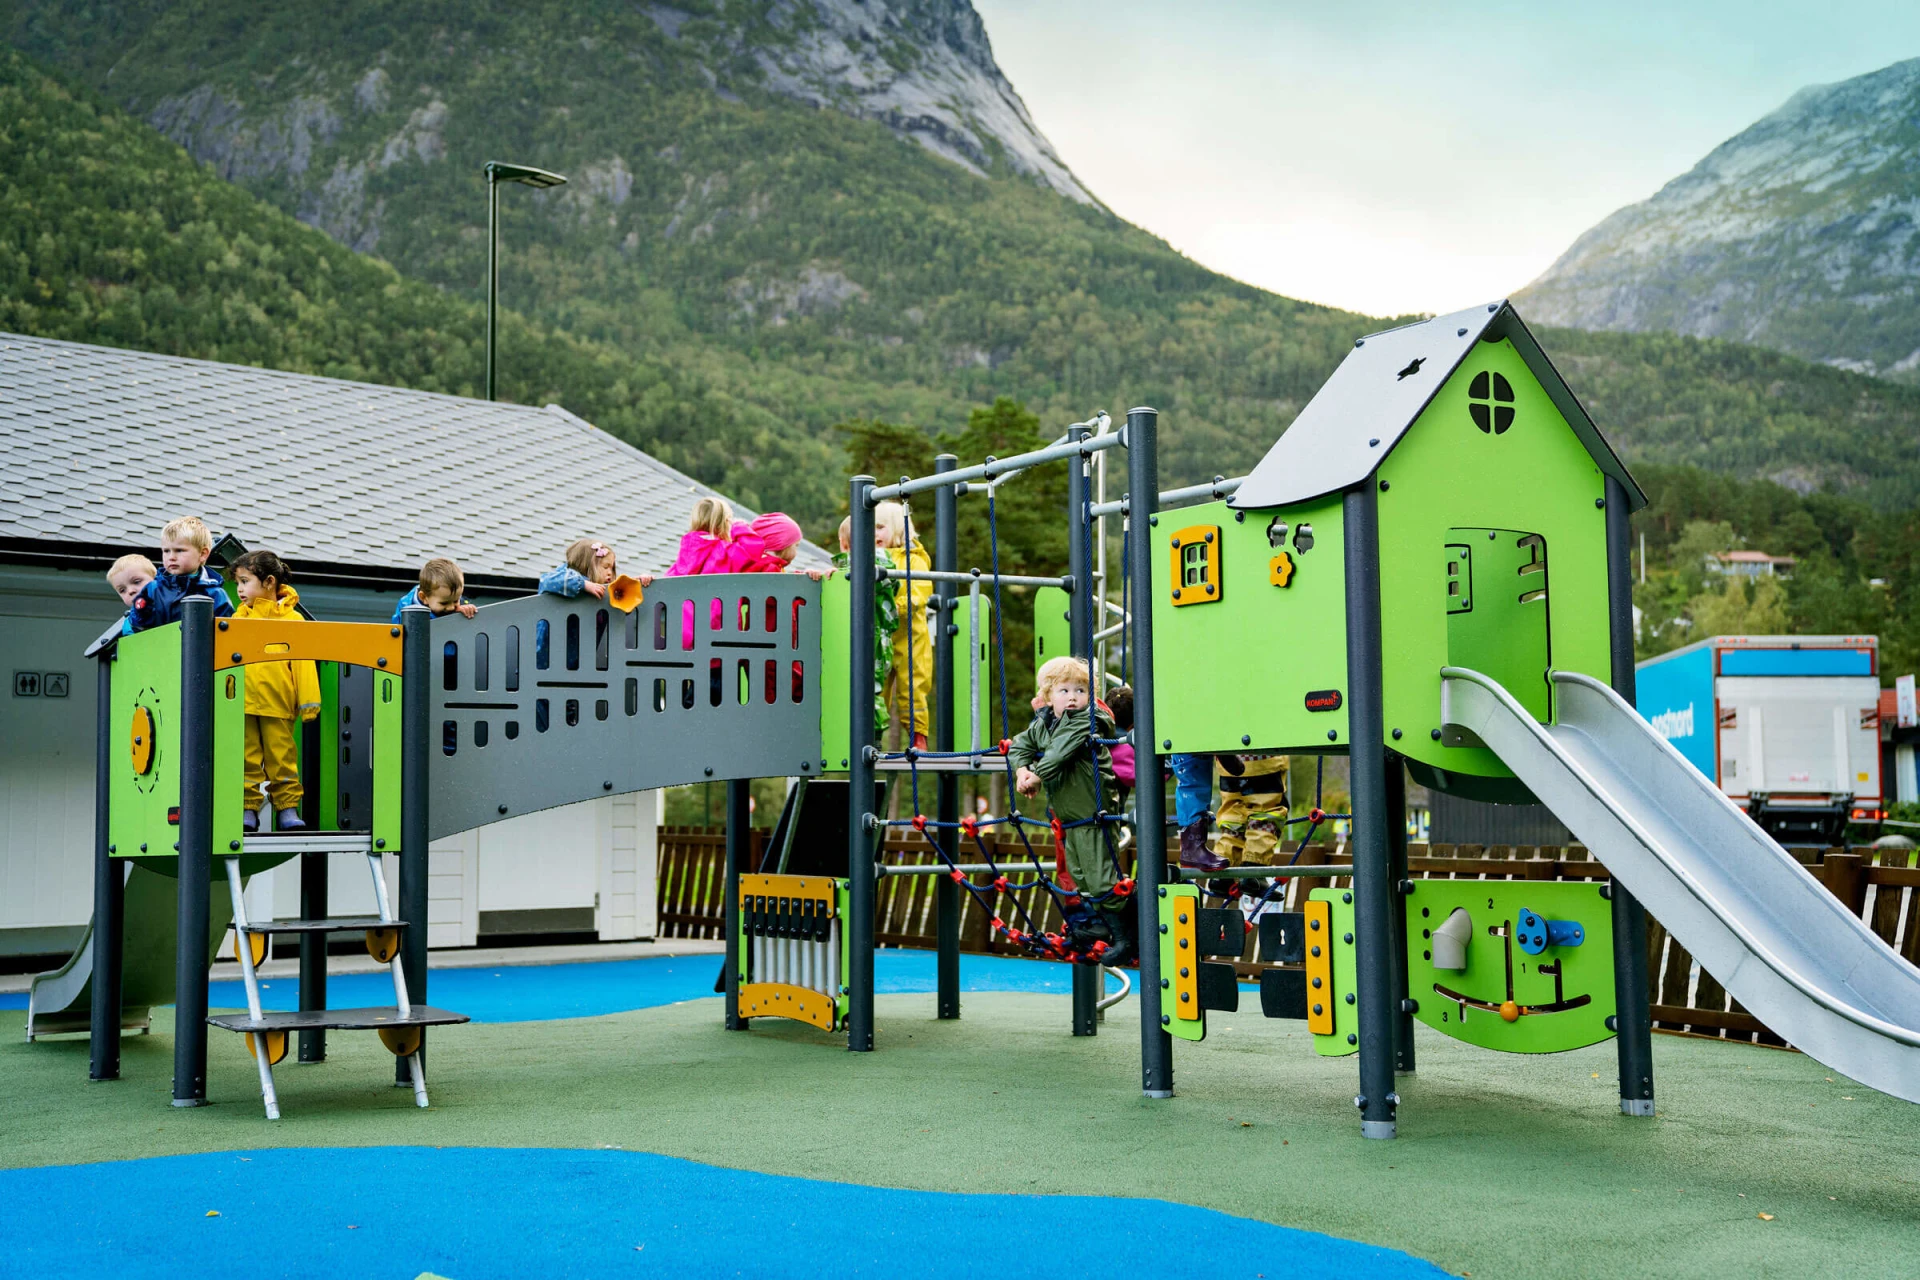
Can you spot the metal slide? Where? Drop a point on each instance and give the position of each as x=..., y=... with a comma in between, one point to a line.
x=1788, y=951
x=62, y=999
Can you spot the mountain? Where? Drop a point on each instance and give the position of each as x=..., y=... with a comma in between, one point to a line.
x=763, y=237
x=822, y=208
x=1799, y=234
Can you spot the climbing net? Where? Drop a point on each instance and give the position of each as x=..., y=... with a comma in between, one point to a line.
x=946, y=837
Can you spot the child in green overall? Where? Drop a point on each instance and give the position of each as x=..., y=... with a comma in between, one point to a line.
x=1053, y=753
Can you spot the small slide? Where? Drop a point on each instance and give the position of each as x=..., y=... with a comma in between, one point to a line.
x=62, y=1000
x=1788, y=950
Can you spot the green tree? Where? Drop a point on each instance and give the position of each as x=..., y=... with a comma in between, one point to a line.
x=1757, y=608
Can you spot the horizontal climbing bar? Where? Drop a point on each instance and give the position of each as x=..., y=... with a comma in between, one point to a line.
x=1215, y=490
x=998, y=468
x=964, y=868
x=1262, y=873
x=976, y=575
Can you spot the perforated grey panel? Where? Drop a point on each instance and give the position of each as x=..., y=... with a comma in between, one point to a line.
x=546, y=701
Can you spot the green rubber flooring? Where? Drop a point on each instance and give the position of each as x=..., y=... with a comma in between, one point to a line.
x=1760, y=1163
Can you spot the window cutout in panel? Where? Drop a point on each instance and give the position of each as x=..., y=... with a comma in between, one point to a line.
x=482, y=659
x=713, y=682
x=659, y=624
x=513, y=730
x=773, y=682
x=796, y=622
x=746, y=614
x=541, y=718
x=479, y=733
x=773, y=616
x=511, y=660
x=799, y=681
x=633, y=629
x=633, y=696
x=573, y=642
x=686, y=694
x=717, y=619
x=602, y=636
x=600, y=709
x=659, y=695
x=743, y=682
x=686, y=625
x=573, y=713
x=449, y=666
x=449, y=736
x=542, y=646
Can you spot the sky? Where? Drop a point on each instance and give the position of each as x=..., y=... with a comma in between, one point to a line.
x=1399, y=157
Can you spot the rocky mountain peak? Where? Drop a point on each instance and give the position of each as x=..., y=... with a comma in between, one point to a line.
x=924, y=68
x=1798, y=233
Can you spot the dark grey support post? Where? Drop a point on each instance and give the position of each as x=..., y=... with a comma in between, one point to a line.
x=1149, y=798
x=1087, y=979
x=860, y=818
x=196, y=853
x=1633, y=1020
x=109, y=894
x=313, y=952
x=946, y=894
x=739, y=791
x=1373, y=888
x=416, y=753
x=1397, y=870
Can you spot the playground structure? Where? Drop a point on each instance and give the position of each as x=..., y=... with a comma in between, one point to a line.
x=1427, y=573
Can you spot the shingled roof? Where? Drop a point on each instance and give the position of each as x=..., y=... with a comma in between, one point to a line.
x=101, y=447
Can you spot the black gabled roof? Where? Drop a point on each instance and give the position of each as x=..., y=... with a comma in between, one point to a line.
x=1381, y=388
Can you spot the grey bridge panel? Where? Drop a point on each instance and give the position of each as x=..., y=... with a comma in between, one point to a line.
x=545, y=701
x=1789, y=951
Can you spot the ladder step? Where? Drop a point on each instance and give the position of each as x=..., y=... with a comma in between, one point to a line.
x=337, y=1019
x=308, y=842
x=340, y=924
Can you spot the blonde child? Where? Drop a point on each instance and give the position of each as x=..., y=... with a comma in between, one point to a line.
x=707, y=546
x=441, y=589
x=278, y=694
x=128, y=576
x=1053, y=754
x=911, y=678
x=185, y=545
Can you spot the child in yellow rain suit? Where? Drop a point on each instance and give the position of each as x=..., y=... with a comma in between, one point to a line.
x=278, y=694
x=911, y=678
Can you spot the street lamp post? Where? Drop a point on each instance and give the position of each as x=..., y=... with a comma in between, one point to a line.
x=498, y=173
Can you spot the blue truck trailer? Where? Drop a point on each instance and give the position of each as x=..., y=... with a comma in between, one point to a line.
x=1787, y=726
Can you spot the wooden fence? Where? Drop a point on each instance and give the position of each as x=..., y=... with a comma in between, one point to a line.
x=1878, y=885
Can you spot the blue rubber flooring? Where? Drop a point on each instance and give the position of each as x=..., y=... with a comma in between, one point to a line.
x=471, y=1213
x=536, y=993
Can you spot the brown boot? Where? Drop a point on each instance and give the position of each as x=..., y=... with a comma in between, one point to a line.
x=1194, y=853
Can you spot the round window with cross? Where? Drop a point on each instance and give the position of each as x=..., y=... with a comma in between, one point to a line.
x=1490, y=401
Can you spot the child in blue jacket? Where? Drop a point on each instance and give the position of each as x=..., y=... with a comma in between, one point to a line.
x=185, y=545
x=442, y=590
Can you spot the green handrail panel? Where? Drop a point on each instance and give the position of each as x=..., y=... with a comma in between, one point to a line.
x=1345, y=1037
x=387, y=744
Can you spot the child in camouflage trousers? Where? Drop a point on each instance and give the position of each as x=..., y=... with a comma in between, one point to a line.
x=1253, y=807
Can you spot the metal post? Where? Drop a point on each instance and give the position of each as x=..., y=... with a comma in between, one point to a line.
x=1633, y=1020
x=739, y=790
x=946, y=894
x=196, y=853
x=1087, y=979
x=109, y=894
x=1397, y=916
x=1373, y=896
x=1149, y=798
x=416, y=733
x=860, y=831
x=313, y=952
x=493, y=267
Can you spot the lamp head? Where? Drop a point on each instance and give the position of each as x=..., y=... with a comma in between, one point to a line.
x=499, y=171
